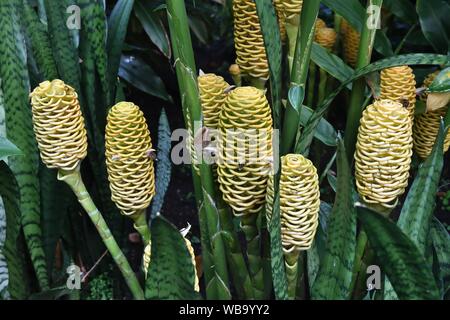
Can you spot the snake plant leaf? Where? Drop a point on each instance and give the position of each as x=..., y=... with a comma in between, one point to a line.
x=272, y=43
x=442, y=82
x=7, y=148
x=355, y=14
x=325, y=131
x=153, y=27
x=117, y=29
x=418, y=209
x=433, y=17
x=163, y=164
x=140, y=75
x=333, y=280
x=171, y=273
x=15, y=88
x=331, y=63
x=398, y=257
x=441, y=244
x=11, y=247
x=308, y=131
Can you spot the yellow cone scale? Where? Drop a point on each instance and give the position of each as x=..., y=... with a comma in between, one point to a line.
x=383, y=153
x=129, y=158
x=326, y=37
x=212, y=95
x=351, y=39
x=292, y=7
x=58, y=125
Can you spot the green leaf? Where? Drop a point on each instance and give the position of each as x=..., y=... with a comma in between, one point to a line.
x=140, y=75
x=331, y=63
x=272, y=43
x=441, y=244
x=171, y=273
x=11, y=248
x=163, y=163
x=117, y=30
x=7, y=148
x=335, y=274
x=420, y=202
x=153, y=27
x=15, y=88
x=442, y=82
x=404, y=9
x=308, y=131
x=325, y=132
x=199, y=29
x=398, y=257
x=433, y=17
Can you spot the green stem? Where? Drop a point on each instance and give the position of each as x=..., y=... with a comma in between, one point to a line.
x=299, y=73
x=187, y=82
x=359, y=86
x=73, y=179
x=292, y=268
x=141, y=226
x=250, y=229
x=259, y=83
x=311, y=84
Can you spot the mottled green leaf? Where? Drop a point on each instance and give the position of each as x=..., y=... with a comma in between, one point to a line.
x=335, y=273
x=398, y=257
x=331, y=63
x=325, y=132
x=7, y=148
x=441, y=244
x=171, y=273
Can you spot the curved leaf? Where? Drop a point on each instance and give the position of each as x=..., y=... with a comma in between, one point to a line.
x=171, y=273
x=331, y=63
x=335, y=272
x=433, y=17
x=441, y=245
x=7, y=148
x=325, y=132
x=398, y=257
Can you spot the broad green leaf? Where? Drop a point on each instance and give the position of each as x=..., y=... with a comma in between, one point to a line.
x=163, y=163
x=117, y=30
x=441, y=244
x=7, y=148
x=433, y=17
x=335, y=272
x=272, y=43
x=331, y=63
x=398, y=257
x=404, y=9
x=199, y=29
x=140, y=75
x=171, y=273
x=15, y=88
x=325, y=132
x=153, y=27
x=11, y=246
x=442, y=82
x=308, y=131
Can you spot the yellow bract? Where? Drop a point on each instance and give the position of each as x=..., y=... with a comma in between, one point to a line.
x=326, y=37
x=383, y=153
x=292, y=7
x=243, y=166
x=426, y=125
x=58, y=125
x=351, y=39
x=281, y=17
x=398, y=84
x=248, y=40
x=212, y=96
x=129, y=158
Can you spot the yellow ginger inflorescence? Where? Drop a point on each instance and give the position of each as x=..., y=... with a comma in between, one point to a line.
x=398, y=84
x=299, y=202
x=212, y=95
x=426, y=125
x=245, y=149
x=383, y=153
x=351, y=39
x=320, y=24
x=248, y=40
x=129, y=158
x=326, y=37
x=281, y=17
x=292, y=7
x=58, y=125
